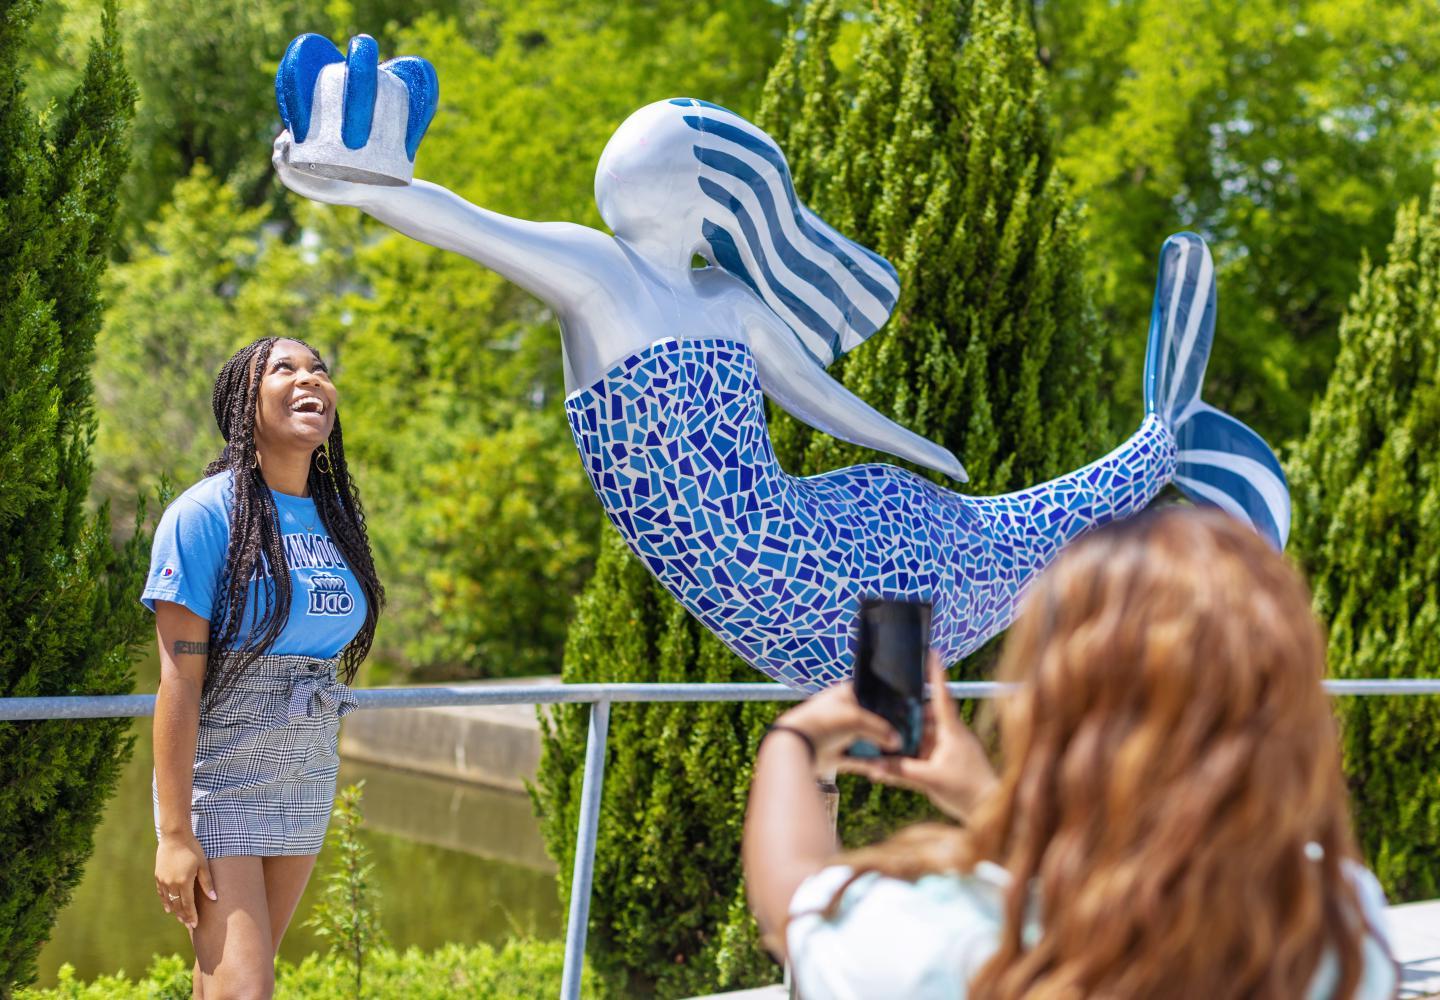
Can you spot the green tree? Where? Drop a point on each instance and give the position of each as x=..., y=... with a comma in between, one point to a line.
x=1284, y=132
x=173, y=319
x=204, y=71
x=1366, y=483
x=941, y=162
x=68, y=614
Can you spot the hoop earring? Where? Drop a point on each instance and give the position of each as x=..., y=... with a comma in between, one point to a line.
x=322, y=461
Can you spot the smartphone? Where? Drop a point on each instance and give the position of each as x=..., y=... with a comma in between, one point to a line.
x=891, y=640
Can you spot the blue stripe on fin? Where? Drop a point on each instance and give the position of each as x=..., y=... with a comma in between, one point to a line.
x=1223, y=463
x=1182, y=326
x=357, y=112
x=295, y=80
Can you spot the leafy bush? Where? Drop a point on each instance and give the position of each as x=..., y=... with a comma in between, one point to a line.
x=520, y=970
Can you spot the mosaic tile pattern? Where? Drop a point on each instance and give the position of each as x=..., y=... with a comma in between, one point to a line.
x=675, y=443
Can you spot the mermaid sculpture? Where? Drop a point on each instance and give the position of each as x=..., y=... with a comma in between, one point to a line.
x=667, y=364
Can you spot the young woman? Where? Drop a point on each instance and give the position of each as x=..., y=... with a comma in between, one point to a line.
x=265, y=599
x=1170, y=820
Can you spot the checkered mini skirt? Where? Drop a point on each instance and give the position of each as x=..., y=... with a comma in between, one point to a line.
x=265, y=759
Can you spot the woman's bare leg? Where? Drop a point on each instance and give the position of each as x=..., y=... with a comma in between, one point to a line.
x=285, y=880
x=234, y=953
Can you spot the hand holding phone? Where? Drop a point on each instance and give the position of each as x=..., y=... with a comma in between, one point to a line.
x=891, y=641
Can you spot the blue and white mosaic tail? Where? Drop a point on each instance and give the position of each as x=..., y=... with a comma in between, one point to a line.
x=1219, y=461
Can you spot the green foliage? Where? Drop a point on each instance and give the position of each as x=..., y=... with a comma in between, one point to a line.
x=1284, y=132
x=1366, y=483
x=205, y=76
x=521, y=970
x=349, y=912
x=177, y=309
x=942, y=164
x=206, y=71
x=68, y=616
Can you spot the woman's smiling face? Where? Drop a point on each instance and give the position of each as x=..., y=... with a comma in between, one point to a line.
x=297, y=400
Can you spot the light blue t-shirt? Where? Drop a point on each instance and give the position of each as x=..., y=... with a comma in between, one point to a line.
x=327, y=606
x=925, y=940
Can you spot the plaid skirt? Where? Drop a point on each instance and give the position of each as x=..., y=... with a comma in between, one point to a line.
x=265, y=759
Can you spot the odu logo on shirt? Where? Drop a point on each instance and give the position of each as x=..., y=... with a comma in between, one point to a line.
x=328, y=596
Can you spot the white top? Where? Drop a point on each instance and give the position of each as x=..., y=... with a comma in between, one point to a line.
x=925, y=940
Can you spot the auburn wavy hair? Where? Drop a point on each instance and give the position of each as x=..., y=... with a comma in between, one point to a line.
x=1170, y=756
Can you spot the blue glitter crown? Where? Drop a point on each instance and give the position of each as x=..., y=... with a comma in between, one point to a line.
x=351, y=116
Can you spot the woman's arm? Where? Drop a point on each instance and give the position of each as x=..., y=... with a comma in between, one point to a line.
x=787, y=834
x=802, y=388
x=179, y=859
x=559, y=262
x=952, y=769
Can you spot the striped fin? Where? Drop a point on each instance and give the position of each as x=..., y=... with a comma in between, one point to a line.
x=1223, y=463
x=1220, y=462
x=832, y=292
x=1182, y=326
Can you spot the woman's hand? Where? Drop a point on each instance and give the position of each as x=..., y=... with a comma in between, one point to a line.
x=332, y=192
x=833, y=720
x=952, y=769
x=179, y=862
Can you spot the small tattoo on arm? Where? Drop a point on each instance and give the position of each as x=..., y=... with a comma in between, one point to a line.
x=197, y=648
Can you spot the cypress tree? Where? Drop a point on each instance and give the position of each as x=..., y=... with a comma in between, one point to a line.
x=1366, y=482
x=68, y=610
x=932, y=149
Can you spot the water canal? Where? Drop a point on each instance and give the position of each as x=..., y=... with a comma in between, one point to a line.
x=453, y=862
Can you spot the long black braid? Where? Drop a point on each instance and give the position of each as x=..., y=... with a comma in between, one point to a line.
x=255, y=537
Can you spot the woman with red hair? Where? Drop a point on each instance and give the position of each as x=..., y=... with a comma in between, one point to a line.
x=1170, y=819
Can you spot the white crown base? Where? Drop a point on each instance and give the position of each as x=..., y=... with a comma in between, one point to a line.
x=382, y=160
x=345, y=172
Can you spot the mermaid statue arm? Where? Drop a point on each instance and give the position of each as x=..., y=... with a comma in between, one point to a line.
x=555, y=261
x=800, y=386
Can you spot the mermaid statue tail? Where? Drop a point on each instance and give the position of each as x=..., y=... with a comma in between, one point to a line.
x=1220, y=462
x=1211, y=457
x=675, y=443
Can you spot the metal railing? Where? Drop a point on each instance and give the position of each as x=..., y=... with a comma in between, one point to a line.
x=599, y=697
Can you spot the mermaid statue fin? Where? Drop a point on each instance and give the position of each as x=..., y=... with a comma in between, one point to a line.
x=1220, y=461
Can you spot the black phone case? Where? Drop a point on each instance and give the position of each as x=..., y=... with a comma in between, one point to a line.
x=891, y=641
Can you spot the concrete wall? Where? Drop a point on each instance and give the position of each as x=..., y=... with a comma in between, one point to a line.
x=494, y=745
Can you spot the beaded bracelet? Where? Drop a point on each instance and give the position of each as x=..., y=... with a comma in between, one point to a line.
x=804, y=737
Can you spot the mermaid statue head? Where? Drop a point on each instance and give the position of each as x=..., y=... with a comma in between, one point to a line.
x=684, y=177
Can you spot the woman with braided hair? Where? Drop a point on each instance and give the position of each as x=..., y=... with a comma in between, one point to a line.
x=265, y=599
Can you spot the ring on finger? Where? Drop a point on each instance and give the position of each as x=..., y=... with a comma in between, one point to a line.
x=172, y=898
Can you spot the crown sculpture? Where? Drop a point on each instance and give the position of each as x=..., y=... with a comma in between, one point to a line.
x=352, y=117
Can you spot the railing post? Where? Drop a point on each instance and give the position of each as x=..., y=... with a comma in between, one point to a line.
x=590, y=790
